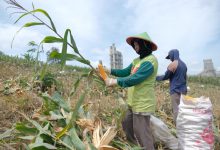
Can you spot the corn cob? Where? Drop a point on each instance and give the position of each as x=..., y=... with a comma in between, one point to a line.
x=102, y=72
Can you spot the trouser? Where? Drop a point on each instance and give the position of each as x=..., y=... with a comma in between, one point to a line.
x=137, y=129
x=175, y=98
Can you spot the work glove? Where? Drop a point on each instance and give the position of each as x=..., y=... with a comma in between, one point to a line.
x=110, y=81
x=108, y=71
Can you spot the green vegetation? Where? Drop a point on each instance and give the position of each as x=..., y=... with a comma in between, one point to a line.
x=60, y=106
x=205, y=80
x=42, y=134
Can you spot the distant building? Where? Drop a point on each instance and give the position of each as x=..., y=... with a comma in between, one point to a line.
x=209, y=70
x=116, y=59
x=100, y=62
x=217, y=73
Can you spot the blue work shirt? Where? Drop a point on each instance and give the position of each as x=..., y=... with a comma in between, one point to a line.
x=176, y=73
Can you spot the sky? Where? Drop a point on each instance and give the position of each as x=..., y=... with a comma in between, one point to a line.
x=191, y=26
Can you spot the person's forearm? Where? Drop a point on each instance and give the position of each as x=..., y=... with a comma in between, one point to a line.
x=145, y=70
x=167, y=75
x=122, y=72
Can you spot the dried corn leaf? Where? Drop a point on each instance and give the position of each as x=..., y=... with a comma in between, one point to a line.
x=96, y=137
x=106, y=147
x=108, y=136
x=86, y=124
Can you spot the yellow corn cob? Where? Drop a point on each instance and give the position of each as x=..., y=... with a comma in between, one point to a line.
x=102, y=72
x=187, y=97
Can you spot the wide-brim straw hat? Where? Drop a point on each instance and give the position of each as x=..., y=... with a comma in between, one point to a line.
x=143, y=36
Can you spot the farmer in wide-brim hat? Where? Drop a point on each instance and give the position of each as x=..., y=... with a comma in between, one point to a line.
x=139, y=77
x=143, y=36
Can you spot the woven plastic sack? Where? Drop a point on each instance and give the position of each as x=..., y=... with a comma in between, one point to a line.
x=194, y=124
x=162, y=133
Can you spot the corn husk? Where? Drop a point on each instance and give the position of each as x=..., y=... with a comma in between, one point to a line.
x=107, y=147
x=86, y=124
x=101, y=142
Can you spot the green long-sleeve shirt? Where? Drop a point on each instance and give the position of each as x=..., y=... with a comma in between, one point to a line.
x=139, y=77
x=127, y=80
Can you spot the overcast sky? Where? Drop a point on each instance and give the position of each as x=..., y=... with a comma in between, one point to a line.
x=192, y=26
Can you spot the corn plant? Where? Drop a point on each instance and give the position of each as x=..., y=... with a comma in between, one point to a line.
x=42, y=134
x=205, y=80
x=63, y=56
x=55, y=126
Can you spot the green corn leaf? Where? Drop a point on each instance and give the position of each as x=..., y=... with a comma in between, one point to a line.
x=27, y=137
x=70, y=56
x=40, y=11
x=66, y=56
x=64, y=49
x=91, y=146
x=76, y=84
x=74, y=57
x=77, y=107
x=41, y=146
x=67, y=140
x=100, y=82
x=46, y=14
x=74, y=116
x=38, y=139
x=36, y=124
x=57, y=98
x=21, y=127
x=43, y=71
x=55, y=116
x=29, y=24
x=47, y=138
x=90, y=76
x=73, y=43
x=47, y=126
x=22, y=16
x=52, y=39
x=77, y=142
x=56, y=55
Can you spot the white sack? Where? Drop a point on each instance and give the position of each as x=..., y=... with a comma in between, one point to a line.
x=194, y=124
x=162, y=133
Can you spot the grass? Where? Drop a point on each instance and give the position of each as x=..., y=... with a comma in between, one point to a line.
x=102, y=103
x=205, y=80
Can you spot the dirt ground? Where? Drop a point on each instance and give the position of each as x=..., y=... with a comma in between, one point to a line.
x=14, y=97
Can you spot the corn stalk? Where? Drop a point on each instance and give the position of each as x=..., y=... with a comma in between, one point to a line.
x=63, y=56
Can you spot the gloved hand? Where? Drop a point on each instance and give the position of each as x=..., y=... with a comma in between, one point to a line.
x=108, y=71
x=110, y=81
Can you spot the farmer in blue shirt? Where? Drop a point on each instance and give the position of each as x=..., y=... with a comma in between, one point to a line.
x=177, y=74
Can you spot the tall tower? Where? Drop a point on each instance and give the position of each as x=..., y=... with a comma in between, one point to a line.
x=116, y=59
x=209, y=69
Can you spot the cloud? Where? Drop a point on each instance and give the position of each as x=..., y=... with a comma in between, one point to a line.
x=186, y=25
x=192, y=27
x=82, y=17
x=21, y=40
x=20, y=43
